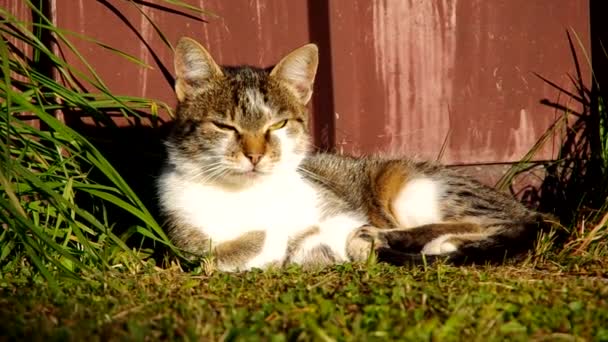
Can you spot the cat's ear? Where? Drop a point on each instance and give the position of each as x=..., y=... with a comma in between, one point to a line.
x=194, y=67
x=297, y=70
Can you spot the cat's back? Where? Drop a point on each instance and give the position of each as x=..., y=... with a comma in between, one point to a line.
x=356, y=176
x=377, y=185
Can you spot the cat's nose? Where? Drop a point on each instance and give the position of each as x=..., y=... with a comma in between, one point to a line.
x=254, y=157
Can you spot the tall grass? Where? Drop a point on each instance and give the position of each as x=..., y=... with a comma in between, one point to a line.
x=56, y=187
x=575, y=185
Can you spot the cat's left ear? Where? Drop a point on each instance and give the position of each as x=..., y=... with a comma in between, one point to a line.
x=194, y=68
x=297, y=70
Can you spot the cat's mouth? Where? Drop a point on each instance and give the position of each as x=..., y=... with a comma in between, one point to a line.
x=247, y=171
x=253, y=173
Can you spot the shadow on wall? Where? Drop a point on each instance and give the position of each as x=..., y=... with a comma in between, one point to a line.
x=575, y=186
x=323, y=99
x=137, y=151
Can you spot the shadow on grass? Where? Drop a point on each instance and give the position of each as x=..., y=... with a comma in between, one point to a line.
x=137, y=153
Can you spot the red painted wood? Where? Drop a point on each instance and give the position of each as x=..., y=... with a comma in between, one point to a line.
x=396, y=76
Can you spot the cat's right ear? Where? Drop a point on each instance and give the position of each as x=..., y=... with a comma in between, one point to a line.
x=298, y=69
x=194, y=68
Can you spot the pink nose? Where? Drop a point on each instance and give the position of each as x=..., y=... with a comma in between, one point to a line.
x=254, y=158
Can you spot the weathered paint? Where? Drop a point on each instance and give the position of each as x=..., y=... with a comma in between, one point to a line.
x=414, y=44
x=20, y=11
x=496, y=95
x=397, y=76
x=415, y=73
x=244, y=37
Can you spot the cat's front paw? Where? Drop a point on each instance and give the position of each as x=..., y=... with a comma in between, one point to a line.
x=372, y=235
x=363, y=241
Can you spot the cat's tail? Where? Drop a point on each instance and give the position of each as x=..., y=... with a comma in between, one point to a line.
x=509, y=241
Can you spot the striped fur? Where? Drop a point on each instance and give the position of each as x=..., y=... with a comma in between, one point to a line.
x=240, y=183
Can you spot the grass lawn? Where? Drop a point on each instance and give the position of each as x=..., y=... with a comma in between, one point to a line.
x=346, y=302
x=75, y=233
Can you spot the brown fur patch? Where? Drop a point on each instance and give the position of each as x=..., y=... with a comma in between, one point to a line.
x=387, y=184
x=236, y=252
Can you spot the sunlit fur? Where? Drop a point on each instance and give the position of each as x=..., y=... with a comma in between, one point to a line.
x=215, y=195
x=250, y=102
x=241, y=185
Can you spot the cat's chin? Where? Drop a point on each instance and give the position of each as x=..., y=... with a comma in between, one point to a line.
x=243, y=178
x=253, y=174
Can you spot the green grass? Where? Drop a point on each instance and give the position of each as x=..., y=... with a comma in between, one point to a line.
x=77, y=241
x=63, y=206
x=347, y=302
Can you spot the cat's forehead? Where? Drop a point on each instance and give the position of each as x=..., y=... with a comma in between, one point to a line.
x=246, y=96
x=253, y=105
x=256, y=99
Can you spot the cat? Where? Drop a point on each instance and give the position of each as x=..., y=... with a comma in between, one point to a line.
x=241, y=184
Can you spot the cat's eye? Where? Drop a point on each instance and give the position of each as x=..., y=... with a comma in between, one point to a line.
x=278, y=125
x=224, y=127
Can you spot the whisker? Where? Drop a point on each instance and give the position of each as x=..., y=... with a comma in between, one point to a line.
x=207, y=171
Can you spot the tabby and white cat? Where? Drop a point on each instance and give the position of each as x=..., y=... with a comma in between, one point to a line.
x=241, y=184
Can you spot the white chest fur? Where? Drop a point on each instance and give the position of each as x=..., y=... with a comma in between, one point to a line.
x=280, y=205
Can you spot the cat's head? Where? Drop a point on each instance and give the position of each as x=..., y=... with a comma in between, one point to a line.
x=238, y=124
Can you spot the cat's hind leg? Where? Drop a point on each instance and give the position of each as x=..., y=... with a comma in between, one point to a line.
x=370, y=239
x=409, y=199
x=495, y=244
x=459, y=243
x=330, y=242
x=415, y=240
x=433, y=238
x=308, y=250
